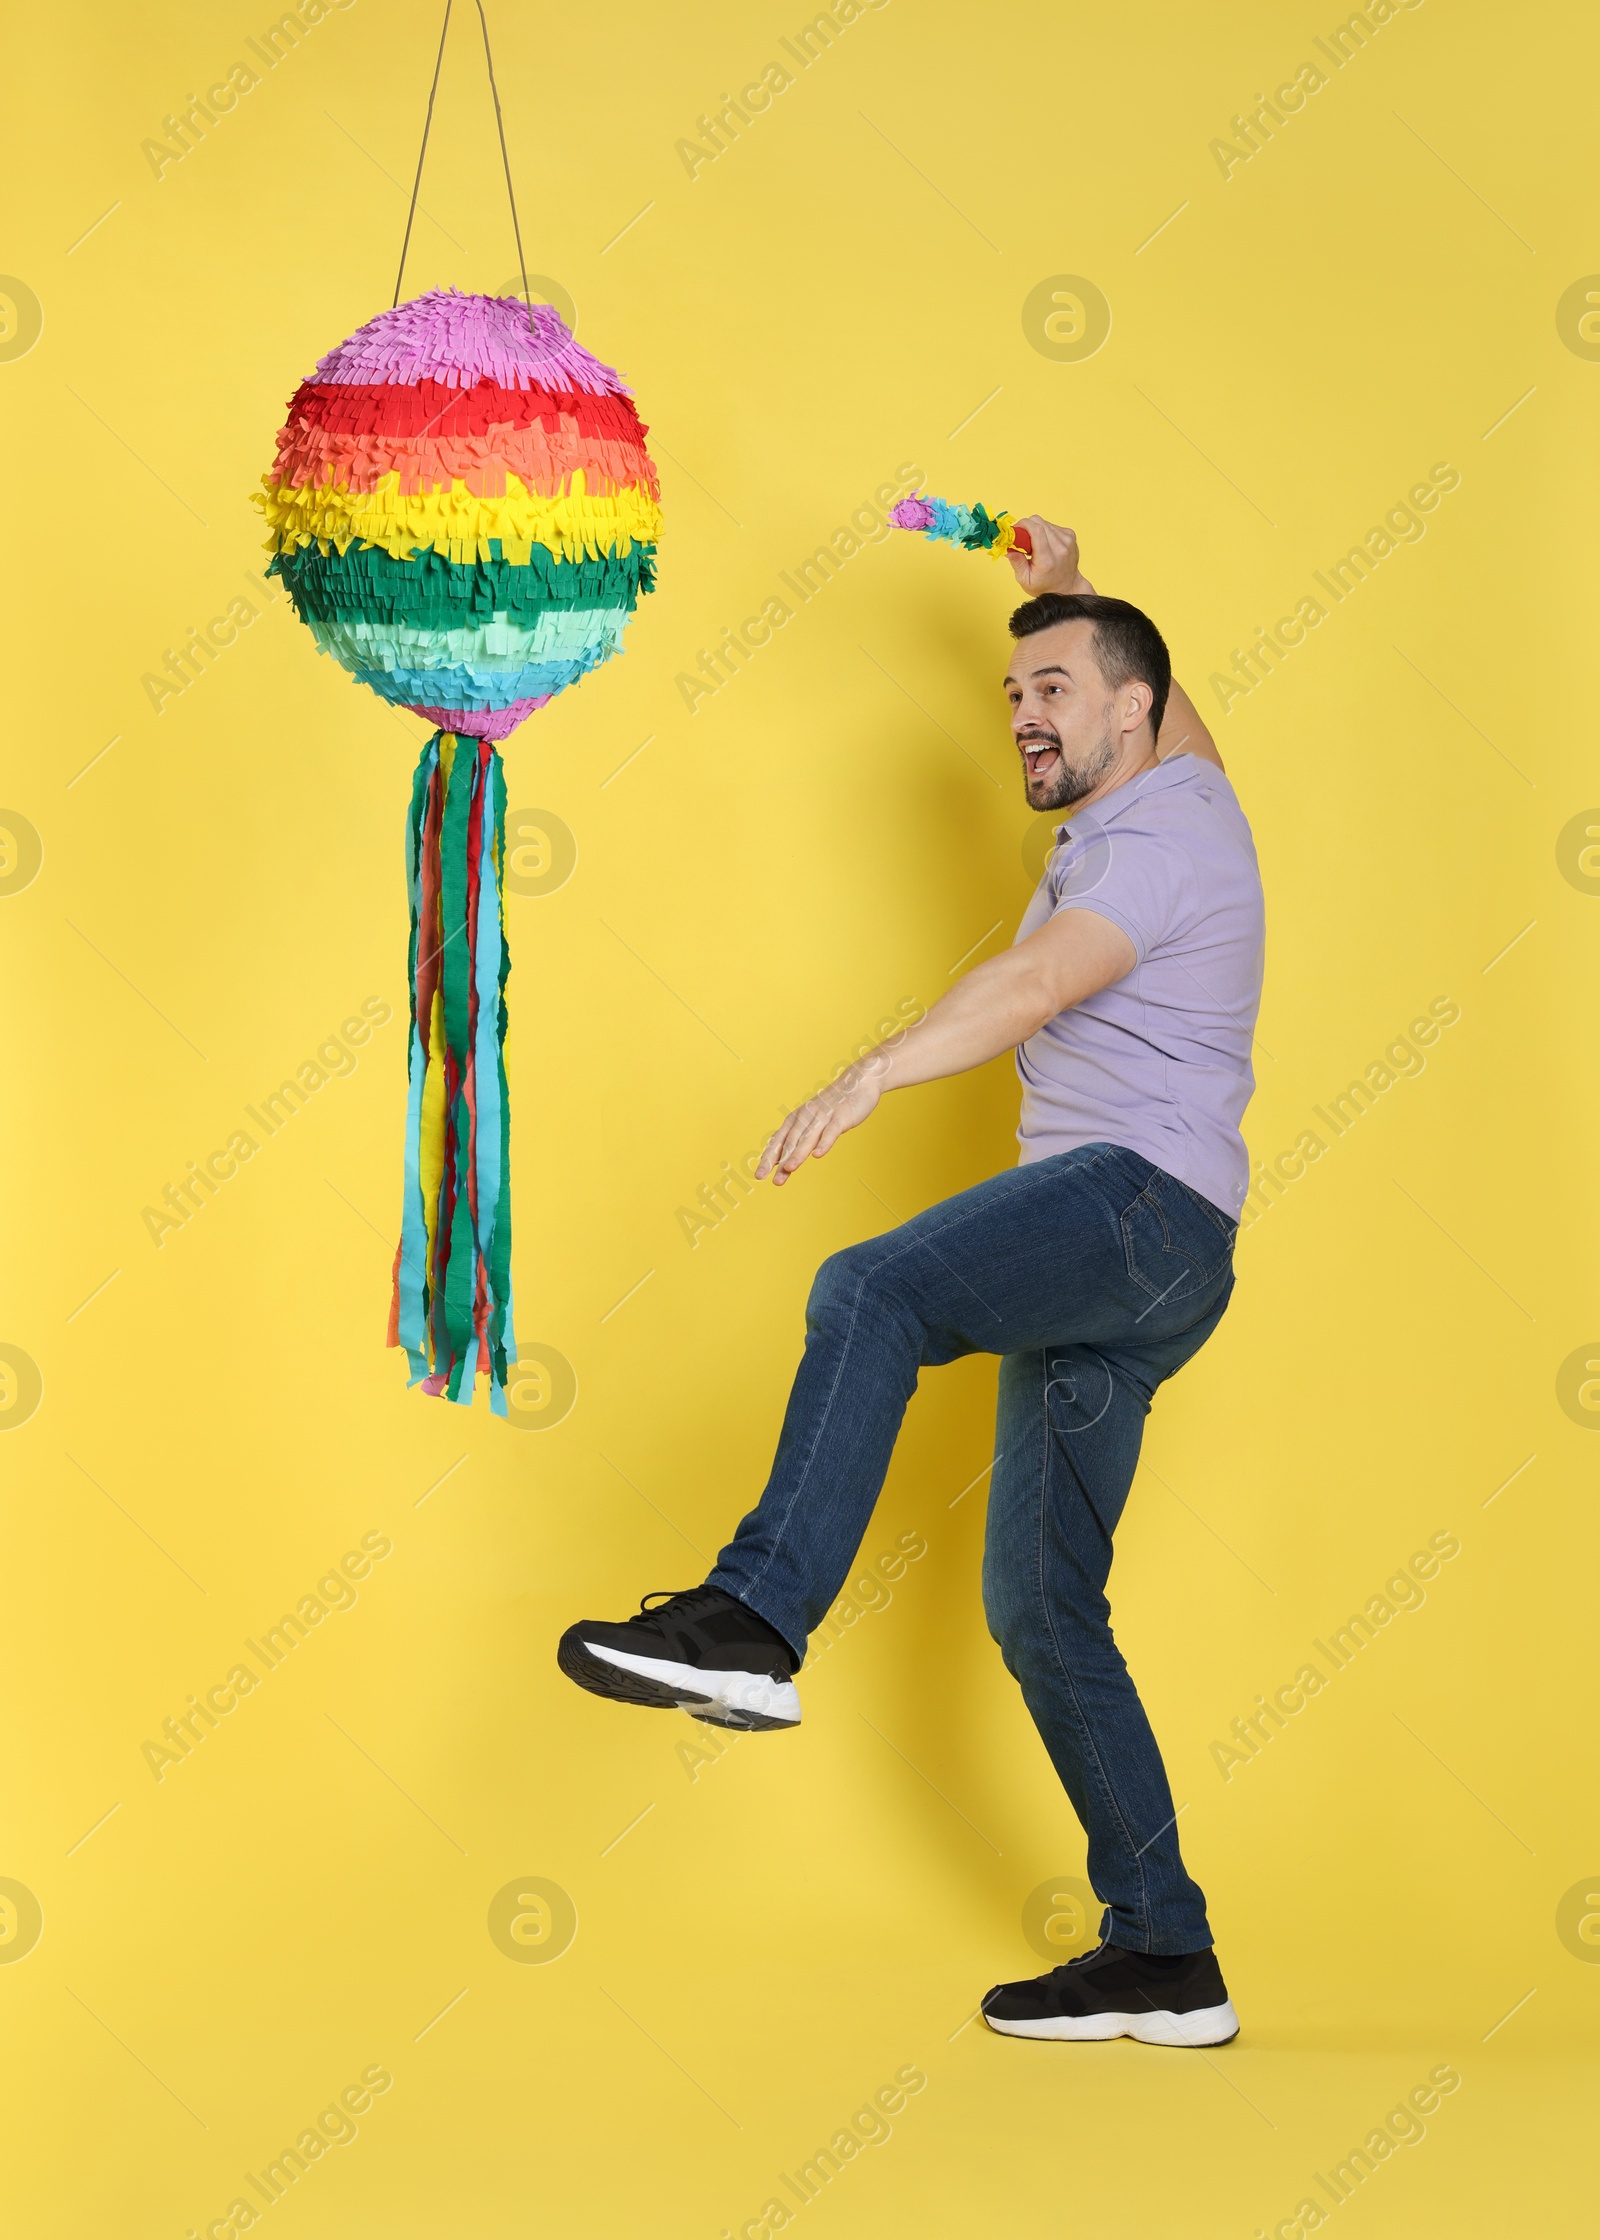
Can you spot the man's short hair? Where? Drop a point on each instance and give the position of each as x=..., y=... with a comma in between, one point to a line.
x=1128, y=648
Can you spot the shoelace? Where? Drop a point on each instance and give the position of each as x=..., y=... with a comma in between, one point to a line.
x=1099, y=1952
x=663, y=1597
x=1081, y=1959
x=686, y=1601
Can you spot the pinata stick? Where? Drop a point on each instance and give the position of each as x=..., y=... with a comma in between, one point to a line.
x=973, y=528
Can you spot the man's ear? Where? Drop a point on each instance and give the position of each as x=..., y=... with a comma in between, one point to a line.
x=1140, y=700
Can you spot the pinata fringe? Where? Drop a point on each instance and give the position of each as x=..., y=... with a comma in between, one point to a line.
x=430, y=408
x=451, y=1307
x=460, y=340
x=574, y=525
x=550, y=466
x=441, y=594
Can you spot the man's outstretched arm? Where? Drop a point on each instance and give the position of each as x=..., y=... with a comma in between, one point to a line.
x=999, y=1004
x=1054, y=566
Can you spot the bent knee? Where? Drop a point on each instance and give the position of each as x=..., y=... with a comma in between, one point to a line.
x=834, y=1285
x=845, y=1279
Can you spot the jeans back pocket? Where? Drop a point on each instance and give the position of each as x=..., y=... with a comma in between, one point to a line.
x=1175, y=1243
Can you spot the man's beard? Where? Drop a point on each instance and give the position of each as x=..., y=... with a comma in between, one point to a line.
x=1066, y=784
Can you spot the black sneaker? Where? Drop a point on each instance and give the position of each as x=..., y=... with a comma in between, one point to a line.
x=1164, y=1999
x=699, y=1650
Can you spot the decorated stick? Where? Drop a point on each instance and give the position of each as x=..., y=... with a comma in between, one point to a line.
x=973, y=528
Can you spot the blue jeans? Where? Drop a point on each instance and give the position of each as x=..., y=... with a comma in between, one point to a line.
x=1095, y=1275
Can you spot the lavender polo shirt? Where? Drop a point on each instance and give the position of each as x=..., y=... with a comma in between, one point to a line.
x=1159, y=1062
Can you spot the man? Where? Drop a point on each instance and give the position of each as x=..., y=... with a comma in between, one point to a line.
x=1095, y=1269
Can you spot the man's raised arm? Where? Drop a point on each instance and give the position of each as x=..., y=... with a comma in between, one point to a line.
x=1054, y=566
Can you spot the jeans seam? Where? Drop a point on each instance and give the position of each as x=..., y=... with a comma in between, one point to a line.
x=1092, y=1746
x=1213, y=1213
x=826, y=1409
x=844, y=1350
x=817, y=1438
x=975, y=1213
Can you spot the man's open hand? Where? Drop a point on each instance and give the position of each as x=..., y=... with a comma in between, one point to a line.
x=1053, y=564
x=823, y=1119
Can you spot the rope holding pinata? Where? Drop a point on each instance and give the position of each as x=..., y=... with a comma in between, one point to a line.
x=973, y=528
x=464, y=514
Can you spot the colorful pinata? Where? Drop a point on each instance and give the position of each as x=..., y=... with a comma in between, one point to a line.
x=971, y=527
x=464, y=514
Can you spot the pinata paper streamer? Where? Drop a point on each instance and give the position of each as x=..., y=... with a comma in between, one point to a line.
x=464, y=514
x=973, y=528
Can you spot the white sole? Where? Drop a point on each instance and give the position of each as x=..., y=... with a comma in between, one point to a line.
x=725, y=1699
x=1206, y=2026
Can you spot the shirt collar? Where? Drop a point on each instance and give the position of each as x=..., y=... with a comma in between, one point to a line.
x=1102, y=812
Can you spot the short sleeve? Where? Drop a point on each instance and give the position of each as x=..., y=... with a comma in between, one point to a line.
x=1136, y=874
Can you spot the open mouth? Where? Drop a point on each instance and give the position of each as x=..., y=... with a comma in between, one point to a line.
x=1040, y=755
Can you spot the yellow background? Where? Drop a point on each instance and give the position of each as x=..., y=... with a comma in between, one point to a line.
x=765, y=1937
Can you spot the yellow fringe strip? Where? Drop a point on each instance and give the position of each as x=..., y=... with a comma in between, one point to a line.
x=459, y=523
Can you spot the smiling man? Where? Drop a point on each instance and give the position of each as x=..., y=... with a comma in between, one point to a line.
x=1095, y=1268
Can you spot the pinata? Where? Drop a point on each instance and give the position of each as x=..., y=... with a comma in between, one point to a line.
x=464, y=514
x=973, y=528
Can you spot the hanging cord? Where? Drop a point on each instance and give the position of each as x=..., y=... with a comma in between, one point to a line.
x=427, y=127
x=505, y=159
